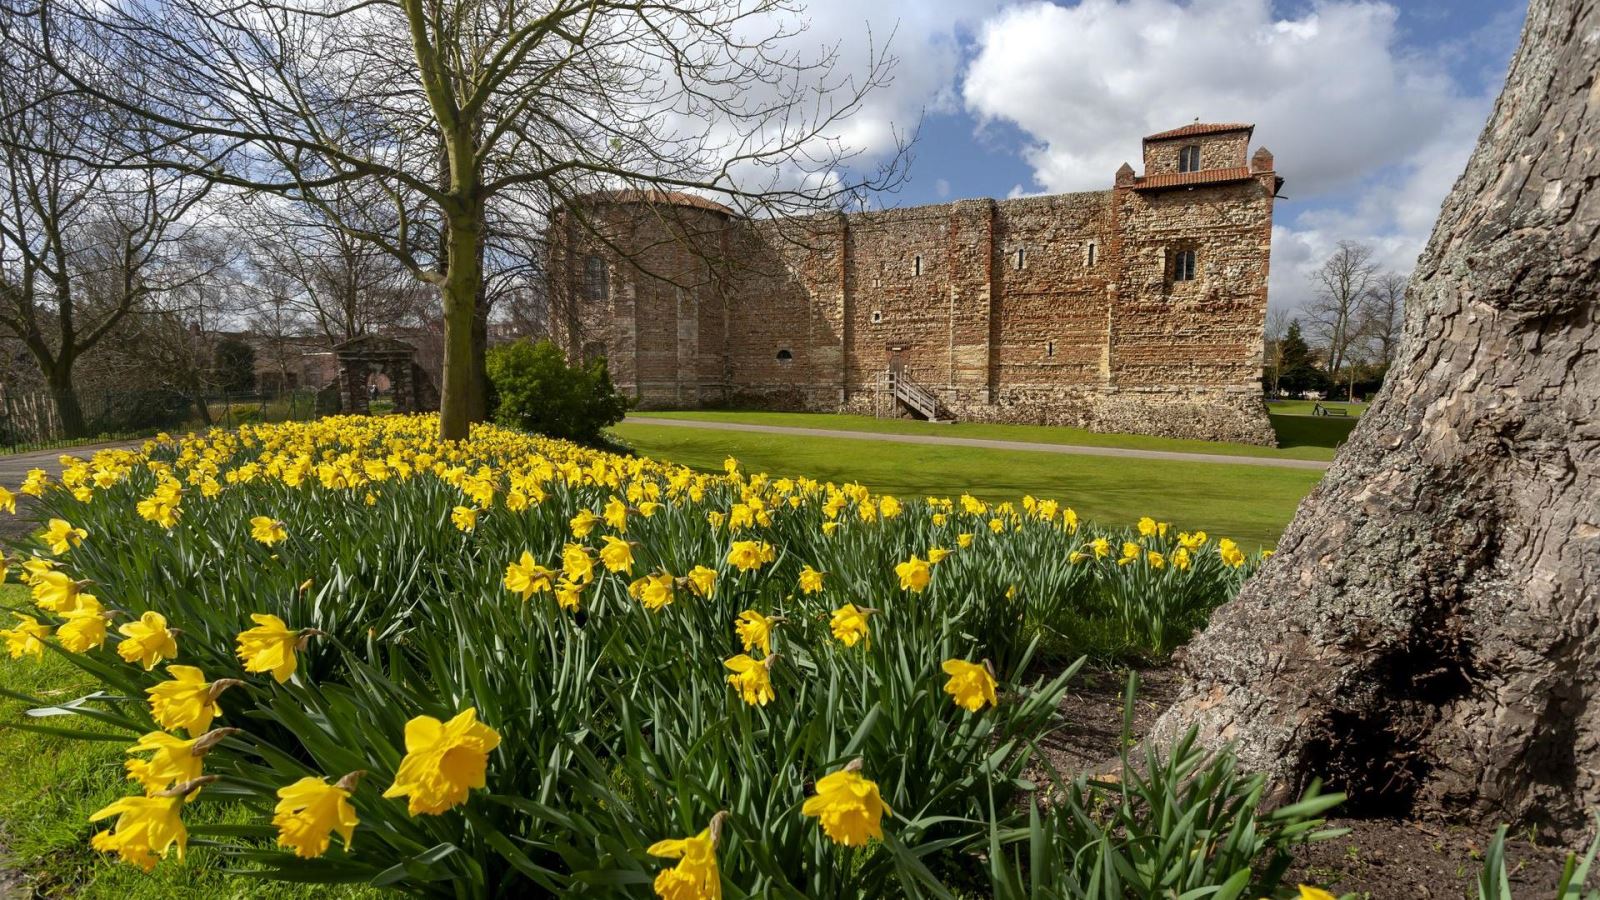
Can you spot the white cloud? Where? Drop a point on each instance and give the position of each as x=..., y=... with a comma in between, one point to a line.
x=1370, y=134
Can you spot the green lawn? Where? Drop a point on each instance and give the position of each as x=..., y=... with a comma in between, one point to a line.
x=1301, y=437
x=54, y=784
x=1306, y=407
x=1251, y=504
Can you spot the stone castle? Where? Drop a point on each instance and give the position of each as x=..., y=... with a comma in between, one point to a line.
x=1137, y=309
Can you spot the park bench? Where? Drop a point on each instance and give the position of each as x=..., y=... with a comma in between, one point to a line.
x=1320, y=410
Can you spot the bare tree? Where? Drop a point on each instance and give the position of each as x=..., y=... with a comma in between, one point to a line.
x=445, y=107
x=1425, y=636
x=1383, y=313
x=81, y=244
x=1277, y=328
x=1333, y=317
x=342, y=285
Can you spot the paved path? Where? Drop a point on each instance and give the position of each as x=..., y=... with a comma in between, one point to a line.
x=14, y=466
x=987, y=444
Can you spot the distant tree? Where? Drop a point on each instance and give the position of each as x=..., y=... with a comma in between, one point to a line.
x=448, y=108
x=1298, y=370
x=1383, y=316
x=1335, y=313
x=1277, y=328
x=235, y=365
x=82, y=245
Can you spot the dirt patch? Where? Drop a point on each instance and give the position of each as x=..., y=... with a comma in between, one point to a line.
x=1378, y=859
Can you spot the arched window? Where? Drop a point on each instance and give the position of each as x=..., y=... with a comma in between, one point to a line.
x=1189, y=158
x=784, y=355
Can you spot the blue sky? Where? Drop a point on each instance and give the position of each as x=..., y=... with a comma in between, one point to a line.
x=1370, y=107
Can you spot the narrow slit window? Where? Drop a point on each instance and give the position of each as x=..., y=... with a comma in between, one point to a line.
x=1089, y=255
x=1022, y=258
x=594, y=278
x=916, y=264
x=1049, y=348
x=1183, y=265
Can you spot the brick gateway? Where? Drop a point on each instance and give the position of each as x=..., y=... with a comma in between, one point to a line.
x=1137, y=309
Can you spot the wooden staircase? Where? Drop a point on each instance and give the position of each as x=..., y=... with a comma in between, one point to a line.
x=916, y=398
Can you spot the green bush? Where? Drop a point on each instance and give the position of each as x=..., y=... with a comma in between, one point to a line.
x=535, y=390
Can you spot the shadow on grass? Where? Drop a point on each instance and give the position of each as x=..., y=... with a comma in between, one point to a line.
x=1312, y=431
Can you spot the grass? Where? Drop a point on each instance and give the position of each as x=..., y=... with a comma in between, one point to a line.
x=1308, y=407
x=1311, y=438
x=54, y=784
x=1250, y=504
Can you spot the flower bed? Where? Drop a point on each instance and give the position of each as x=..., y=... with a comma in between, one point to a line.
x=461, y=667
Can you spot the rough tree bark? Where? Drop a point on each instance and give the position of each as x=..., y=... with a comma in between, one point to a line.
x=1428, y=635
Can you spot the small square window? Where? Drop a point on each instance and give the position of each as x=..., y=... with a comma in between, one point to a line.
x=877, y=316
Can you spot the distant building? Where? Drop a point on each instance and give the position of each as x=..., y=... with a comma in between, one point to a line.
x=1137, y=308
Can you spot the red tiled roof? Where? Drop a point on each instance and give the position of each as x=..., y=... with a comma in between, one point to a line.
x=1201, y=128
x=1186, y=179
x=667, y=198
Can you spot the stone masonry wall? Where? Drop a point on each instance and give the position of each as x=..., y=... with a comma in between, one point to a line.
x=1056, y=310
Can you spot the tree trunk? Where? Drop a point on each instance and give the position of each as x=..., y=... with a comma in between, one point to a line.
x=65, y=396
x=1428, y=636
x=463, y=276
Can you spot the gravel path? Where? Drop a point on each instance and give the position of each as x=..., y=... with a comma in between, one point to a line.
x=1030, y=446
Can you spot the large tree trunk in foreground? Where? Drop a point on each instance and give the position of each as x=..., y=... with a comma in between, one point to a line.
x=1428, y=636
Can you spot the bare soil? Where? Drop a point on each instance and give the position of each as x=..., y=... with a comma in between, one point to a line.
x=1378, y=859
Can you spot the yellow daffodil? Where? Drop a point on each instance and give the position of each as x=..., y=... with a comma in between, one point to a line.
x=848, y=807
x=464, y=518
x=755, y=630
x=268, y=530
x=443, y=761
x=1180, y=558
x=26, y=638
x=569, y=594
x=85, y=628
x=1101, y=547
x=577, y=564
x=583, y=523
x=971, y=685
x=1155, y=559
x=187, y=701
x=810, y=580
x=654, y=591
x=616, y=515
x=61, y=536
x=145, y=831
x=1307, y=892
x=937, y=555
x=1230, y=553
x=695, y=877
x=750, y=678
x=849, y=625
x=173, y=760
x=828, y=528
x=1130, y=553
x=269, y=647
x=8, y=501
x=964, y=540
x=147, y=641
x=1147, y=526
x=915, y=573
x=310, y=811
x=750, y=555
x=616, y=555
x=703, y=580
x=55, y=591
x=526, y=577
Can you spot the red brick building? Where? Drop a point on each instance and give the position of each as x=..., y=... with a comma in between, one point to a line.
x=1138, y=308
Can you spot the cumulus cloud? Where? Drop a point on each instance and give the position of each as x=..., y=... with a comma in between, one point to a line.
x=1369, y=135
